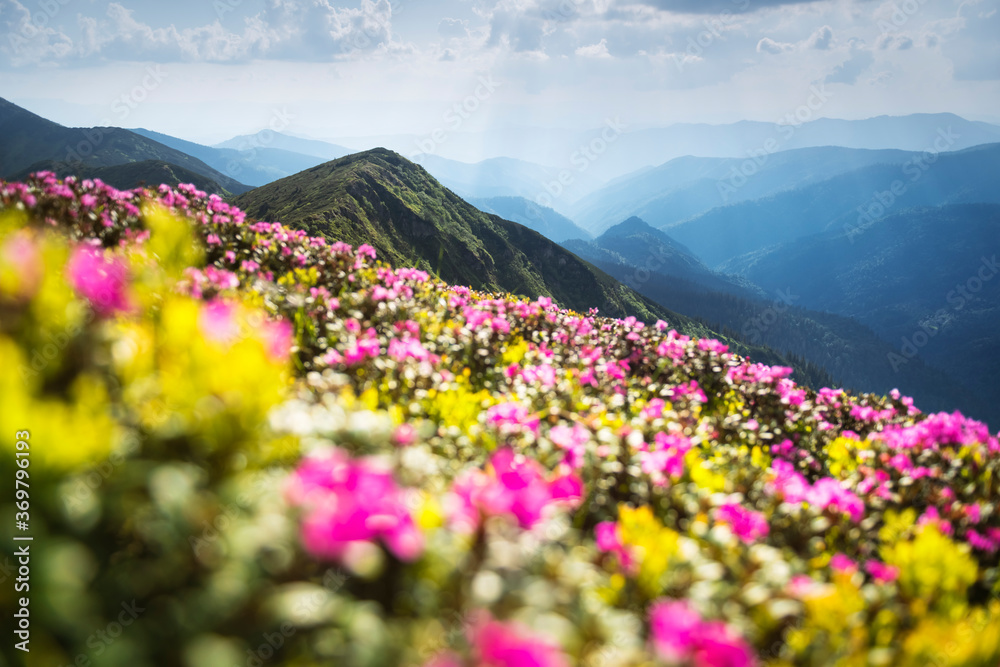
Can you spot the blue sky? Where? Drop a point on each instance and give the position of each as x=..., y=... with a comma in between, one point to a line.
x=207, y=71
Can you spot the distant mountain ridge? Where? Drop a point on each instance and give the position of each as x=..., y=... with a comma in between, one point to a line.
x=254, y=166
x=846, y=202
x=635, y=243
x=32, y=142
x=380, y=198
x=661, y=269
x=546, y=221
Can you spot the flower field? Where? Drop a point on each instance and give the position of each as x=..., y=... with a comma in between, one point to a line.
x=276, y=450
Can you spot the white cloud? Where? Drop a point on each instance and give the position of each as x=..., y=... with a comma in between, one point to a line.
x=305, y=30
x=768, y=45
x=852, y=68
x=453, y=28
x=29, y=37
x=821, y=39
x=599, y=50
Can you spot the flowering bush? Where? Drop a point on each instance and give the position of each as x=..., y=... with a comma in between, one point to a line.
x=282, y=451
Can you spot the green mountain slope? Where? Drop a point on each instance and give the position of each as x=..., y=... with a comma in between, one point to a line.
x=31, y=143
x=380, y=198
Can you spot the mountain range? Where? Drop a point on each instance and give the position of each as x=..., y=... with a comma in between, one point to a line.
x=784, y=316
x=847, y=262
x=32, y=143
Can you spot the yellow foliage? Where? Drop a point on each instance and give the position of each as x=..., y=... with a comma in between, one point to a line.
x=934, y=572
x=842, y=457
x=702, y=473
x=171, y=240
x=170, y=367
x=654, y=545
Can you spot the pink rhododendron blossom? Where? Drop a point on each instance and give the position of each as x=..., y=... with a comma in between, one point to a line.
x=573, y=441
x=404, y=435
x=278, y=335
x=678, y=633
x=511, y=417
x=748, y=525
x=826, y=492
x=609, y=538
x=514, y=485
x=841, y=563
x=498, y=644
x=348, y=501
x=881, y=572
x=20, y=255
x=101, y=280
x=219, y=322
x=666, y=459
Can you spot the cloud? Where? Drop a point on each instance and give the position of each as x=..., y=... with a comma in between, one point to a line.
x=768, y=45
x=973, y=49
x=599, y=50
x=849, y=70
x=453, y=28
x=881, y=80
x=24, y=41
x=301, y=30
x=893, y=41
x=821, y=39
x=719, y=6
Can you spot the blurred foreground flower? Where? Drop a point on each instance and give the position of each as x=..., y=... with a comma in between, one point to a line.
x=351, y=503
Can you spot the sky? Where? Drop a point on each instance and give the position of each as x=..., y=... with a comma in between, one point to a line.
x=210, y=70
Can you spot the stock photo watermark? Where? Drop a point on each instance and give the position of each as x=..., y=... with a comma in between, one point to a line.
x=883, y=200
x=581, y=159
x=785, y=128
x=957, y=300
x=754, y=328
x=280, y=120
x=456, y=116
x=35, y=25
x=122, y=107
x=713, y=32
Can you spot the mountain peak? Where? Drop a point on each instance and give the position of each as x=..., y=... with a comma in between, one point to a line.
x=633, y=225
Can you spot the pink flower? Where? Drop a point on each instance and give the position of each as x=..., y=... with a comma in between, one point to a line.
x=279, y=336
x=841, y=563
x=881, y=572
x=444, y=660
x=348, y=501
x=712, y=345
x=516, y=486
x=748, y=525
x=511, y=417
x=679, y=633
x=828, y=492
x=20, y=254
x=102, y=281
x=218, y=322
x=404, y=435
x=573, y=441
x=654, y=409
x=510, y=645
x=409, y=348
x=609, y=538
